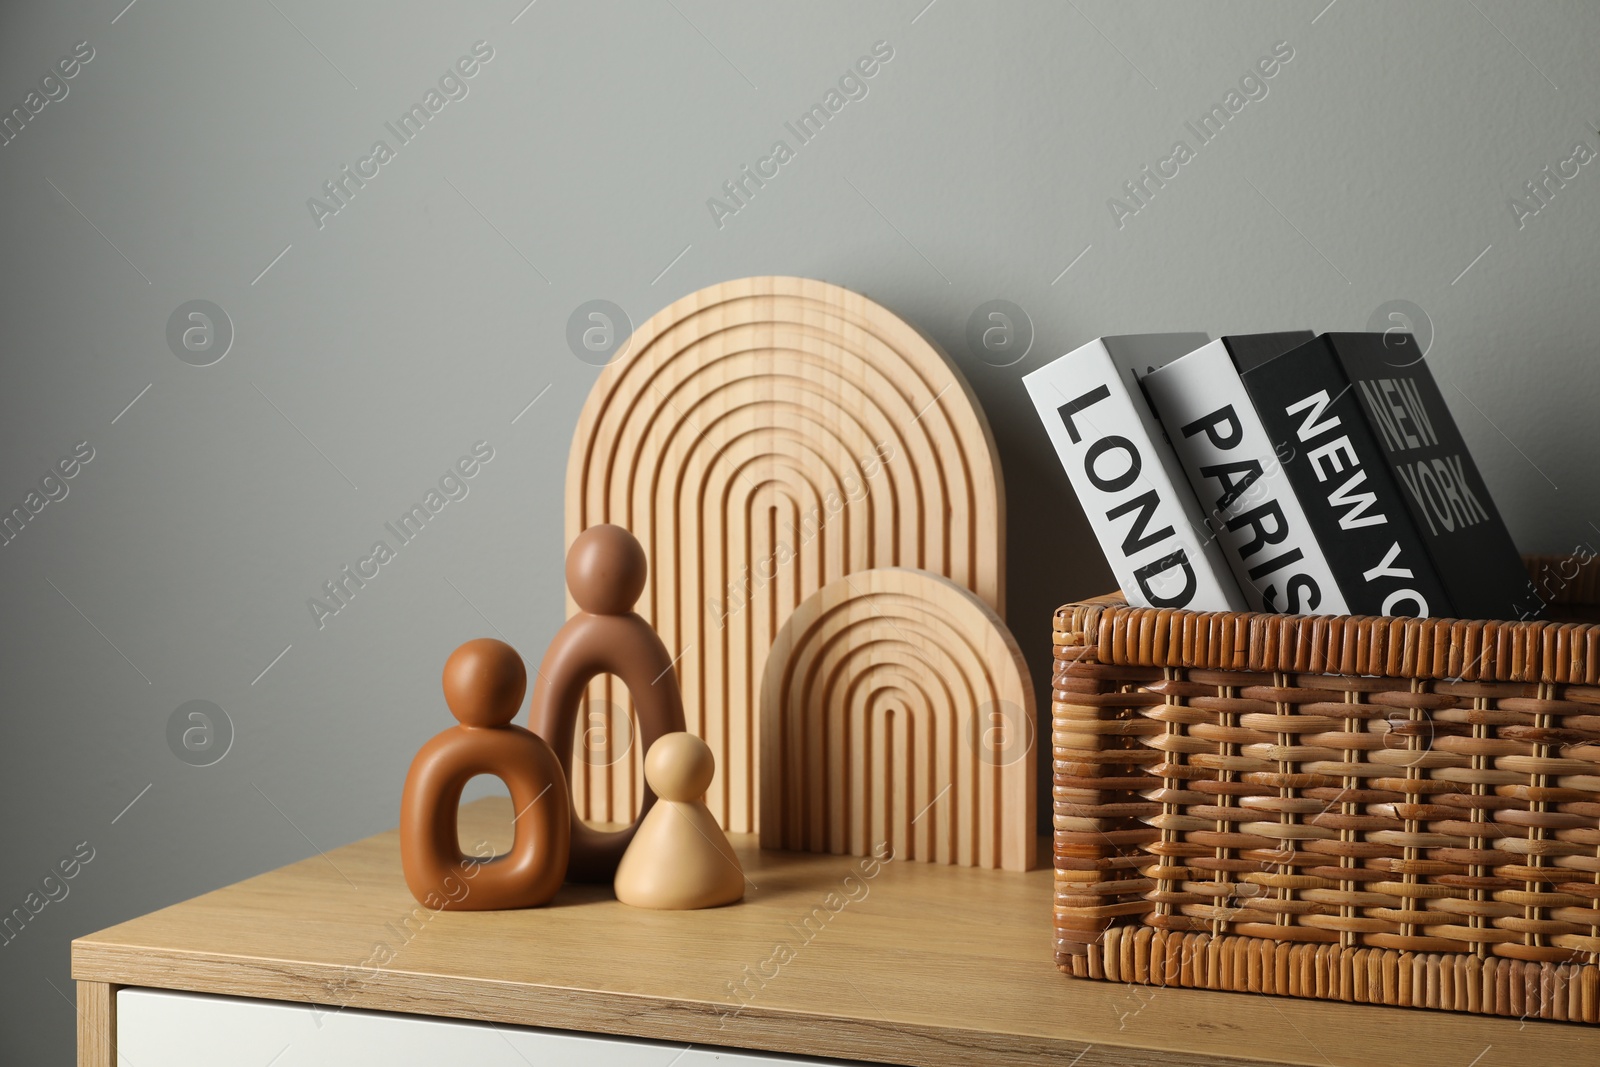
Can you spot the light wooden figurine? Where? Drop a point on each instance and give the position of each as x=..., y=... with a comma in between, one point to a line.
x=483, y=683
x=679, y=859
x=762, y=438
x=606, y=571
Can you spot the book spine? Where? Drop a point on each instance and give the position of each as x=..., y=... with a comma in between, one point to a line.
x=1251, y=508
x=1449, y=503
x=1124, y=477
x=1343, y=481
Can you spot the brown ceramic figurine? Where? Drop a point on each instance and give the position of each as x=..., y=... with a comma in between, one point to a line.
x=680, y=859
x=483, y=683
x=606, y=570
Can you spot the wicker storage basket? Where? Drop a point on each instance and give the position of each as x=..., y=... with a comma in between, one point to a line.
x=1390, y=811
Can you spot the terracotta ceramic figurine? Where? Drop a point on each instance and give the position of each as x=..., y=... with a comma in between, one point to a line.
x=680, y=859
x=483, y=683
x=606, y=570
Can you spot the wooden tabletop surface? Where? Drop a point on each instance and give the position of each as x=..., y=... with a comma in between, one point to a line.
x=896, y=963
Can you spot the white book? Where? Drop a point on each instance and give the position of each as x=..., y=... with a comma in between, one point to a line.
x=1250, y=504
x=1131, y=486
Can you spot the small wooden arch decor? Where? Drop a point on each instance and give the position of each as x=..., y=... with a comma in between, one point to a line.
x=896, y=708
x=762, y=438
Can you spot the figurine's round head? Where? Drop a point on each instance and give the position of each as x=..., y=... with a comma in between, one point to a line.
x=484, y=681
x=679, y=767
x=606, y=569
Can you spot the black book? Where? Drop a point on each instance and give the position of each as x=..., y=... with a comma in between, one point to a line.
x=1342, y=476
x=1253, y=349
x=1471, y=548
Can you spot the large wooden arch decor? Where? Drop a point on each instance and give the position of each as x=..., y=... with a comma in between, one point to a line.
x=762, y=438
x=897, y=710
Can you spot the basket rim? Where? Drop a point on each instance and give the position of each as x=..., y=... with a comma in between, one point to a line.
x=1532, y=651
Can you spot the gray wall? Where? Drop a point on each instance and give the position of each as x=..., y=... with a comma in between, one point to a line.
x=425, y=315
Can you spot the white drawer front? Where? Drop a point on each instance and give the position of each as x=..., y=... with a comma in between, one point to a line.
x=191, y=1030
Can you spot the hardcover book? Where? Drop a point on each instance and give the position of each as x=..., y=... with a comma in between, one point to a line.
x=1342, y=477
x=1135, y=494
x=1471, y=548
x=1251, y=508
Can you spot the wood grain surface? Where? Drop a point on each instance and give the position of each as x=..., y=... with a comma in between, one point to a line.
x=761, y=438
x=897, y=708
x=97, y=1024
x=919, y=964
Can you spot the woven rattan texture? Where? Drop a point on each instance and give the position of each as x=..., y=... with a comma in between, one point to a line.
x=1343, y=801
